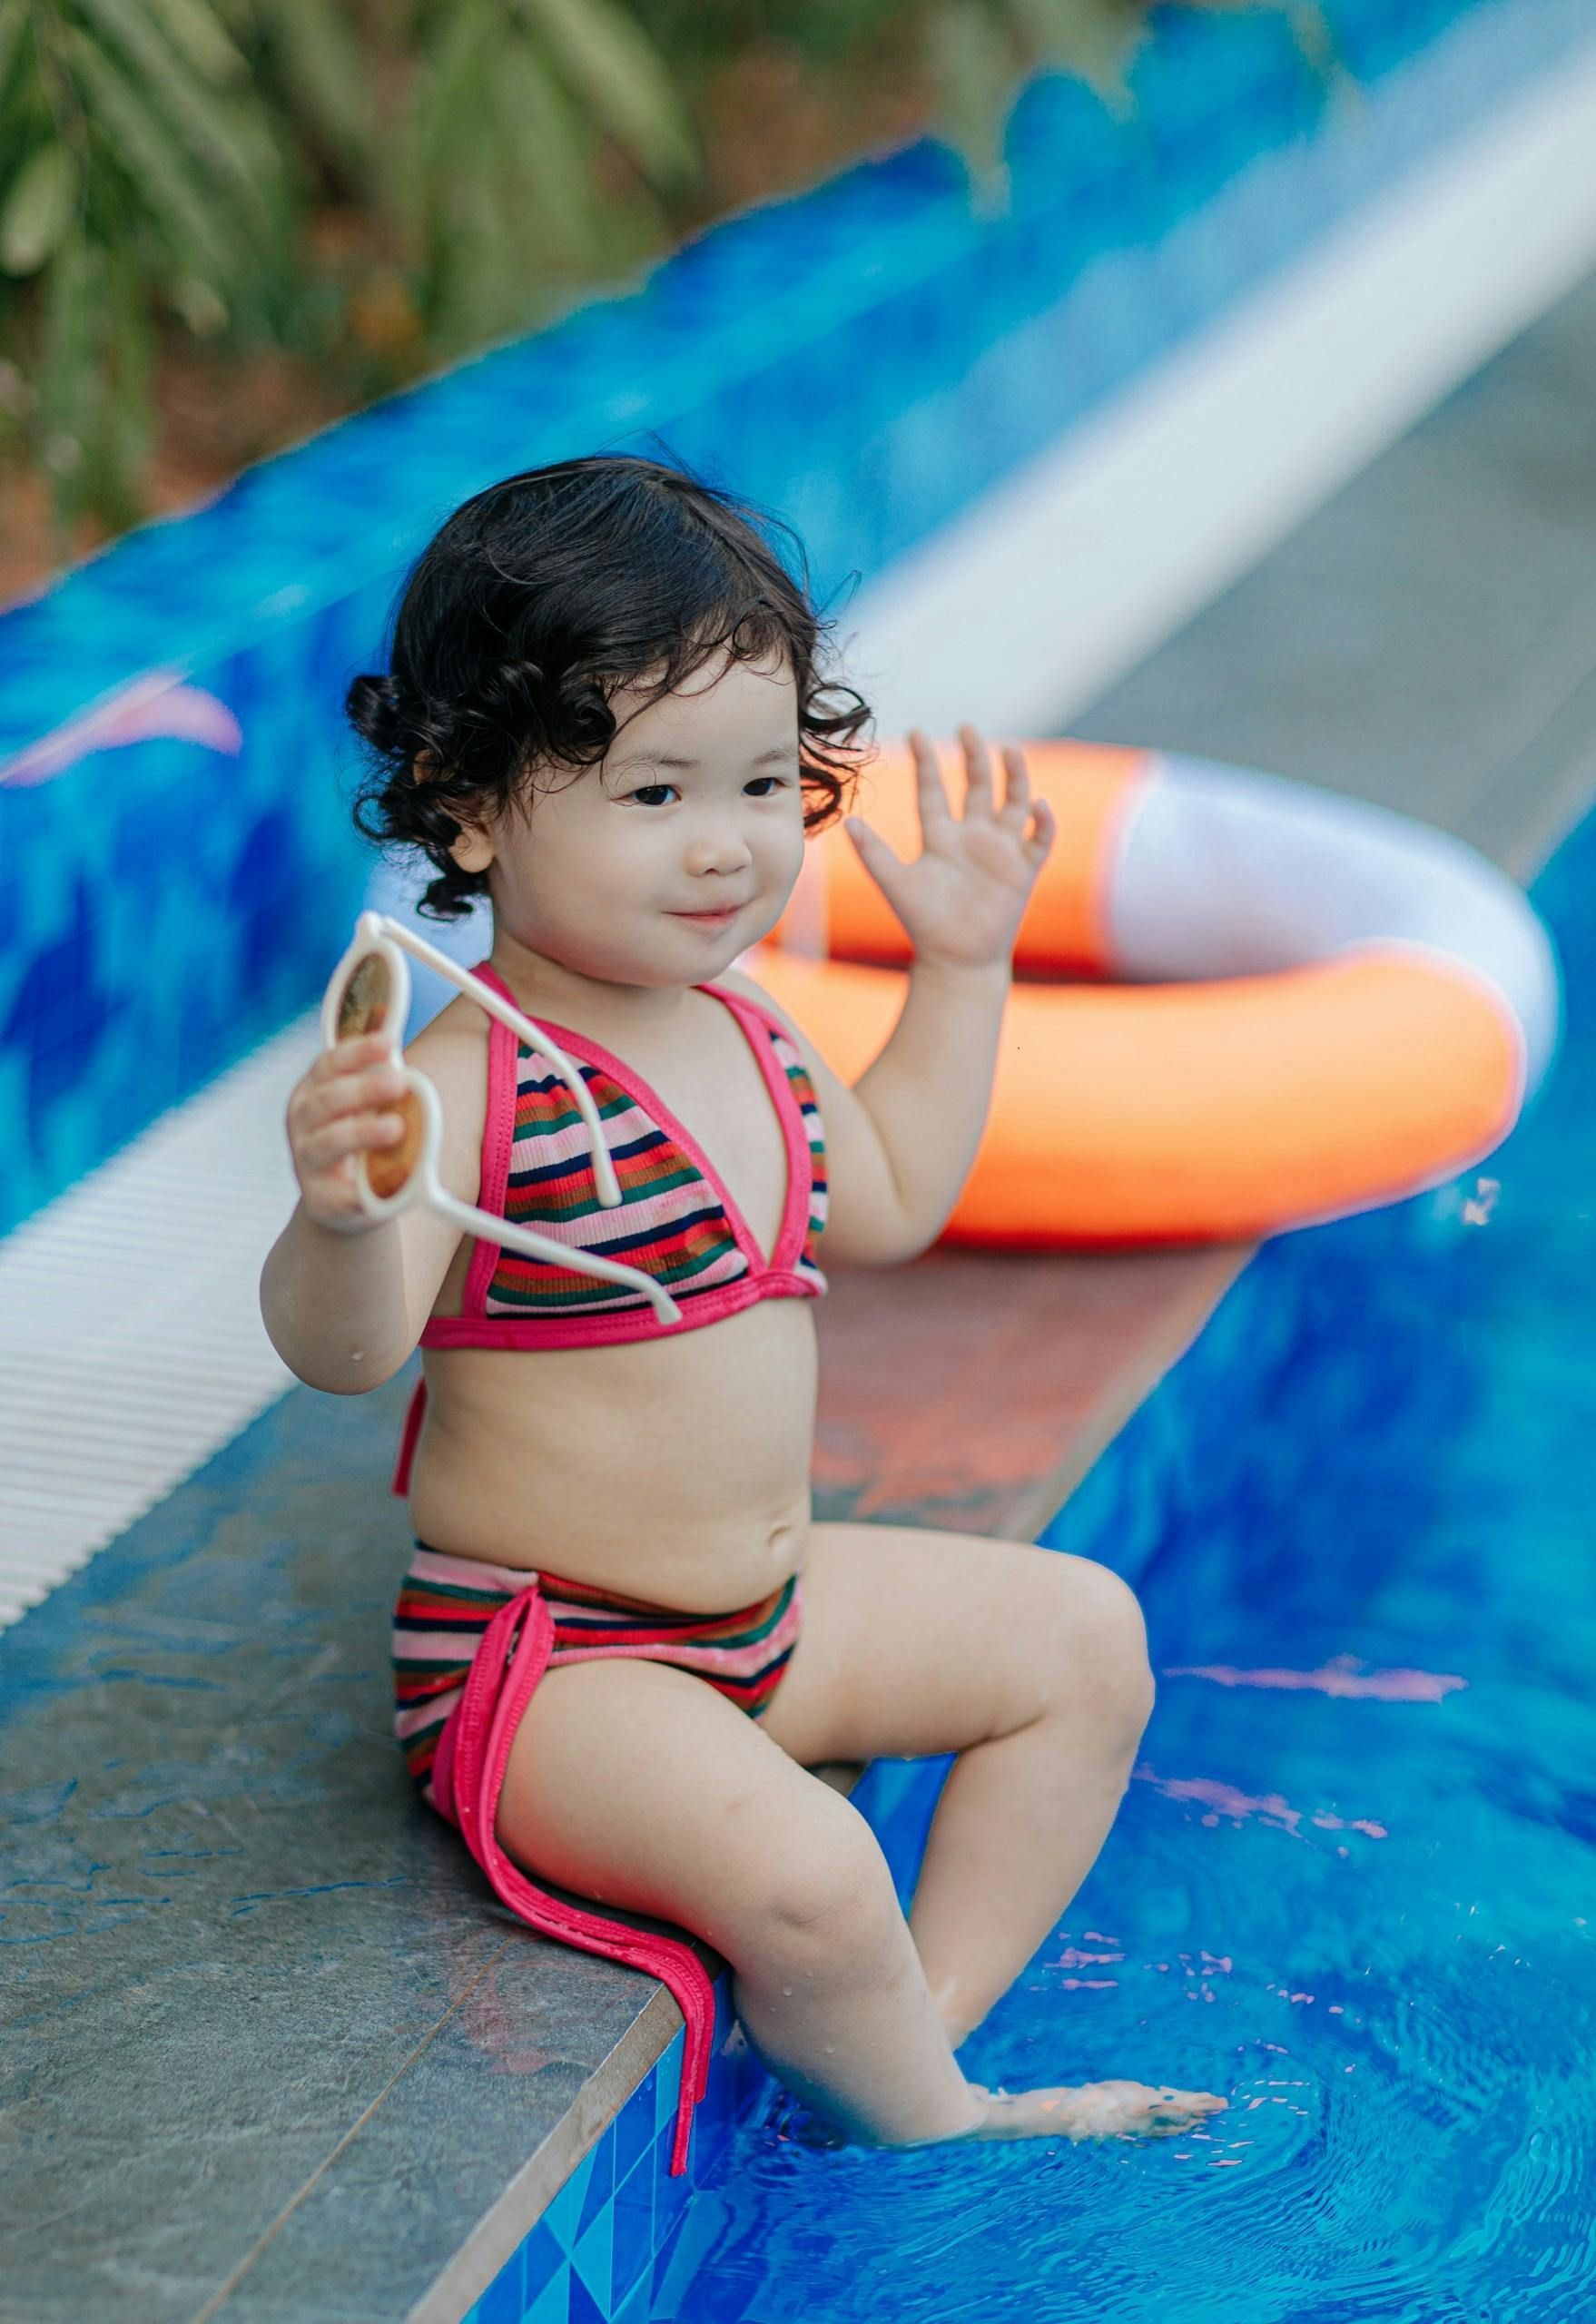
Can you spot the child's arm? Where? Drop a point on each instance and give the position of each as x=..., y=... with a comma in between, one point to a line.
x=344, y=1296
x=900, y=1143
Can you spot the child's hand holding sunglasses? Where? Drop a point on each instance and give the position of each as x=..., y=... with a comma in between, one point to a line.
x=365, y=1127
x=346, y=1106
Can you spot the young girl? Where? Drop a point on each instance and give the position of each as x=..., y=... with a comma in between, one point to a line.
x=623, y=1642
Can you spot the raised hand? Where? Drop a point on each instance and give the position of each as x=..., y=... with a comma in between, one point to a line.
x=963, y=898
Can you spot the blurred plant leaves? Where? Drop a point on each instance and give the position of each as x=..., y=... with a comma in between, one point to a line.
x=610, y=63
x=501, y=173
x=380, y=185
x=1098, y=39
x=14, y=23
x=973, y=60
x=323, y=73
x=199, y=36
x=193, y=234
x=37, y=209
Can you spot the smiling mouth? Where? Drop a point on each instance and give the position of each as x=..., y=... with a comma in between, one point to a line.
x=723, y=911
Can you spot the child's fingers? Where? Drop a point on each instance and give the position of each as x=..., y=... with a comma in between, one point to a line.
x=876, y=856
x=1044, y=830
x=323, y=1099
x=930, y=795
x=325, y=1148
x=349, y=1056
x=365, y=1053
x=977, y=778
x=1016, y=790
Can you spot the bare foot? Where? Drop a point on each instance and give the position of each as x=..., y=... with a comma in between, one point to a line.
x=1093, y=2110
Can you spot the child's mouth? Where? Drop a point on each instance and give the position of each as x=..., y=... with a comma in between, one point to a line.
x=712, y=919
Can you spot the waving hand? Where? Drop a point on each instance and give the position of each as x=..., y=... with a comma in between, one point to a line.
x=963, y=898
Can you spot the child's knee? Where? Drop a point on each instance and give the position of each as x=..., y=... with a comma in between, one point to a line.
x=828, y=1911
x=1101, y=1651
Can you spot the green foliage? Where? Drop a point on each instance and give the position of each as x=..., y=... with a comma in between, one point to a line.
x=496, y=172
x=169, y=168
x=139, y=176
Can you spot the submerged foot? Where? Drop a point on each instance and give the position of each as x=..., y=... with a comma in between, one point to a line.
x=1094, y=2110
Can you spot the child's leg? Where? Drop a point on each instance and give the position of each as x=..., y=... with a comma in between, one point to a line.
x=637, y=1785
x=1032, y=1666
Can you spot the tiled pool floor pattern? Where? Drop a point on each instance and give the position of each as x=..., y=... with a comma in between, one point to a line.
x=609, y=2249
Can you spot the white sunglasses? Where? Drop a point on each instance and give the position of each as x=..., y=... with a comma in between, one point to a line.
x=370, y=992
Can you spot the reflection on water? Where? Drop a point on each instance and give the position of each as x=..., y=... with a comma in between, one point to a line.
x=1355, y=1886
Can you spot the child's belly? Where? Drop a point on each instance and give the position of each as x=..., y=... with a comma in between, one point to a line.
x=674, y=1471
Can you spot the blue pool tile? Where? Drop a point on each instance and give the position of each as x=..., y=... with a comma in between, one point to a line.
x=601, y=2186
x=562, y=2218
x=632, y=2233
x=683, y=2255
x=552, y=2305
x=504, y=2302
x=543, y=2258
x=593, y=2255
x=667, y=2084
x=670, y=2204
x=717, y=2098
x=639, y=2309
x=664, y=2277
x=709, y=2144
x=582, y=2308
x=631, y=2131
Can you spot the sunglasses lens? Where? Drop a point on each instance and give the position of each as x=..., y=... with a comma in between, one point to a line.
x=389, y=1168
x=364, y=1003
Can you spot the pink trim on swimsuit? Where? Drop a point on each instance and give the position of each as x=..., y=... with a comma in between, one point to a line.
x=467, y=1777
x=780, y=1275
x=772, y=1277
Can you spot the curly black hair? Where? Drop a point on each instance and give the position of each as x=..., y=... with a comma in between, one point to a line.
x=535, y=603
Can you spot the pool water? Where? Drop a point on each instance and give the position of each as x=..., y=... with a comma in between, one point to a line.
x=1352, y=1885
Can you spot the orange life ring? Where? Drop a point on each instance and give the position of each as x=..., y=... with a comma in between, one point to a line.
x=1396, y=998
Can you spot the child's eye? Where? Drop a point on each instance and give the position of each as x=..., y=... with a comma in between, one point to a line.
x=660, y=794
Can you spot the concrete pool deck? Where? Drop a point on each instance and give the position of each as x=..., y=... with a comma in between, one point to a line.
x=252, y=1985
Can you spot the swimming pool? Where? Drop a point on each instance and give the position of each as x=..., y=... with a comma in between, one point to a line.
x=1352, y=1885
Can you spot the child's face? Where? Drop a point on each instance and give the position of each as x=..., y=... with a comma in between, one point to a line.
x=642, y=872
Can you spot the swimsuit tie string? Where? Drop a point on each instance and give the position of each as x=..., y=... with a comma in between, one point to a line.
x=511, y=1658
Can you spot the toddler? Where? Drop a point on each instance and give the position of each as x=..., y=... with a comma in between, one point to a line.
x=623, y=1642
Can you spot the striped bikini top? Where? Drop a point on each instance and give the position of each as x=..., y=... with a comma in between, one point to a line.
x=677, y=1222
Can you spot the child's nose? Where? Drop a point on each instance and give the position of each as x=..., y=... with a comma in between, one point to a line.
x=717, y=847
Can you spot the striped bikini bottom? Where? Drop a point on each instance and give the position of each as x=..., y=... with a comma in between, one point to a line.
x=446, y=1604
x=471, y=1644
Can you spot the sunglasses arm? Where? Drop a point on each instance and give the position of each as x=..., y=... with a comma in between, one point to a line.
x=507, y=1235
x=603, y=1169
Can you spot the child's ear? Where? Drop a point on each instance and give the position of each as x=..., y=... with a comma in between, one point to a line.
x=472, y=849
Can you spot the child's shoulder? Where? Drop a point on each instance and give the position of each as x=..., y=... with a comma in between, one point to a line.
x=746, y=987
x=451, y=1048
x=460, y=1023
x=827, y=1088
